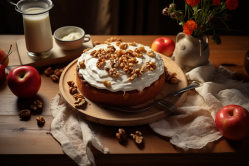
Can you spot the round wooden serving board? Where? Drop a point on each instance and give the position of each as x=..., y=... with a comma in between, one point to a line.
x=106, y=116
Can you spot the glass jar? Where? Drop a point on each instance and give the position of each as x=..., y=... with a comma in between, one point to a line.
x=37, y=28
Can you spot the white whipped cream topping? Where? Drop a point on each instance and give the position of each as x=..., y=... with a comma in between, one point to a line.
x=95, y=76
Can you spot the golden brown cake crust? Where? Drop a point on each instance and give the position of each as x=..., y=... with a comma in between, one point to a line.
x=130, y=98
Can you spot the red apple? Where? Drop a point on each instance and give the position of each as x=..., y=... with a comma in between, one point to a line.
x=164, y=46
x=2, y=71
x=24, y=81
x=2, y=56
x=233, y=122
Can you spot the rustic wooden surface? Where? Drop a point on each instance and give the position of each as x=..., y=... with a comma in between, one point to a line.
x=95, y=113
x=25, y=143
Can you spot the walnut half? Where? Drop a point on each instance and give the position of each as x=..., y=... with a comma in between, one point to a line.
x=106, y=83
x=24, y=113
x=58, y=72
x=132, y=43
x=172, y=78
x=121, y=135
x=113, y=39
x=73, y=90
x=137, y=137
x=48, y=71
x=123, y=46
x=132, y=77
x=37, y=104
x=79, y=102
x=70, y=83
x=40, y=120
x=54, y=77
x=151, y=53
x=82, y=63
x=150, y=66
x=77, y=95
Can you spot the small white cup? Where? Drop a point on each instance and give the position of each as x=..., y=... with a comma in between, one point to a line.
x=72, y=44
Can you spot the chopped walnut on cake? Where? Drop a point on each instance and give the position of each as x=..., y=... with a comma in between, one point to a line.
x=110, y=49
x=100, y=62
x=139, y=72
x=85, y=50
x=112, y=72
x=151, y=53
x=106, y=83
x=132, y=77
x=93, y=53
x=82, y=63
x=118, y=43
x=138, y=53
x=113, y=39
x=123, y=46
x=132, y=43
x=142, y=49
x=150, y=66
x=128, y=70
x=108, y=43
x=96, y=43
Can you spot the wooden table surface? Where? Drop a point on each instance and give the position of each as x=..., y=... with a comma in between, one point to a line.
x=25, y=143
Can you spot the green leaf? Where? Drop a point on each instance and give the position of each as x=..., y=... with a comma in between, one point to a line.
x=225, y=25
x=186, y=8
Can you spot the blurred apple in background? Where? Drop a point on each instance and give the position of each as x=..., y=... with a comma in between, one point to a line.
x=2, y=56
x=24, y=81
x=4, y=61
x=233, y=122
x=2, y=71
x=164, y=46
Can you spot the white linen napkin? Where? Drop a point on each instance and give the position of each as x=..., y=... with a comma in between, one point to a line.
x=71, y=129
x=192, y=125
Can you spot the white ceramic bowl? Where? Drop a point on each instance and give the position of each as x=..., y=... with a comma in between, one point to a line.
x=72, y=44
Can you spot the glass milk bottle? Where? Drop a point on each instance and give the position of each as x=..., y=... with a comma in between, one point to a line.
x=37, y=28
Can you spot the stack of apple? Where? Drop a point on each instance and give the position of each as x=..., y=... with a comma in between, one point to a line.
x=23, y=81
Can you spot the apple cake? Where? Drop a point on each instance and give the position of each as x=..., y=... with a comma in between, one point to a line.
x=119, y=73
